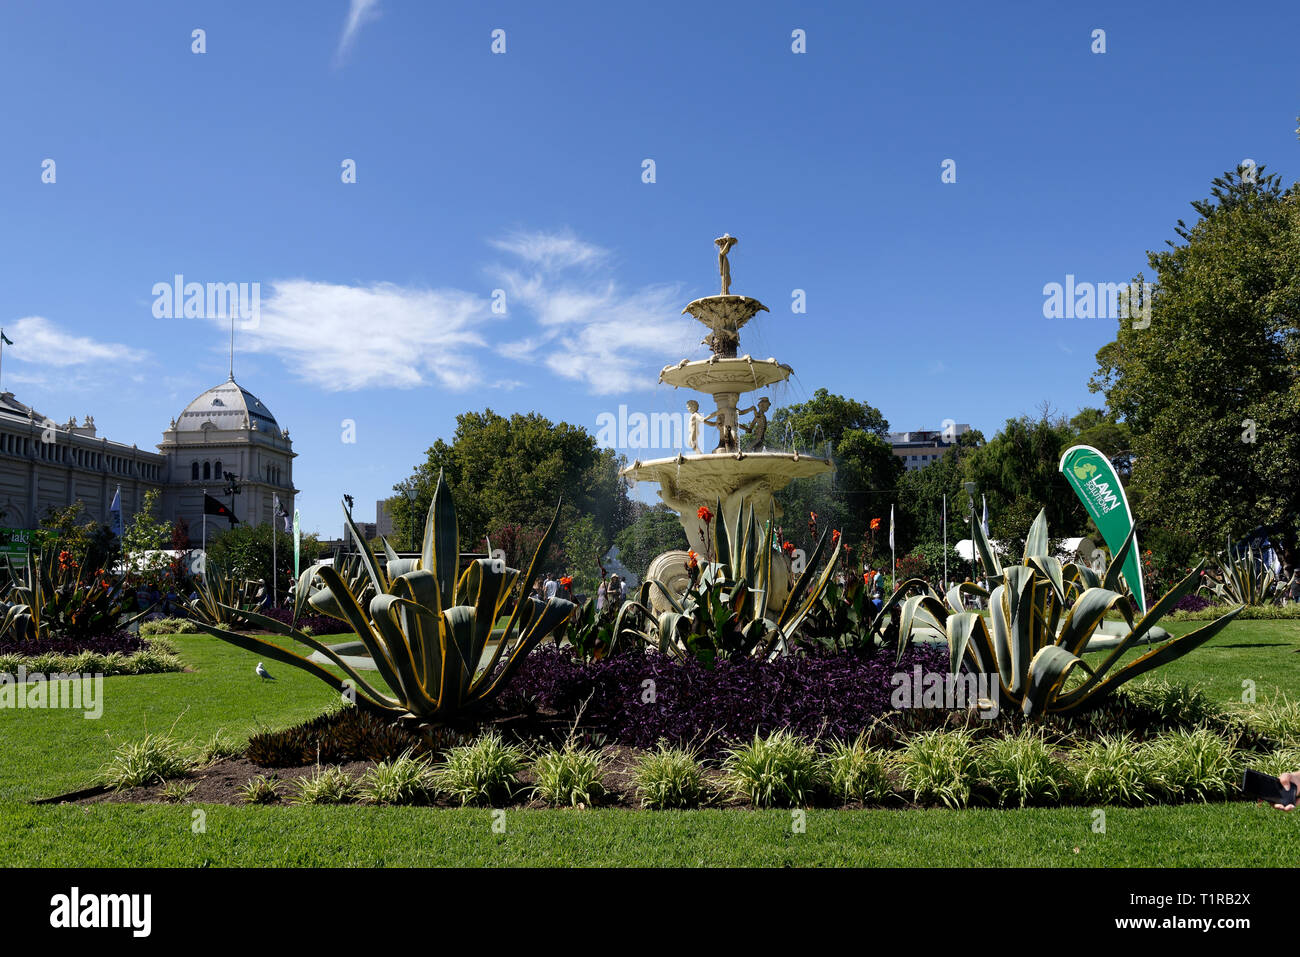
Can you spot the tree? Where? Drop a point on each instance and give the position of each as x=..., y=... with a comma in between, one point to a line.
x=513, y=471
x=1018, y=473
x=866, y=469
x=1209, y=389
x=92, y=544
x=921, y=492
x=656, y=530
x=144, y=541
x=245, y=551
x=584, y=546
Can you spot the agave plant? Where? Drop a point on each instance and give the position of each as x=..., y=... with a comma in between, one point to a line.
x=1244, y=579
x=724, y=612
x=1042, y=616
x=426, y=627
x=221, y=598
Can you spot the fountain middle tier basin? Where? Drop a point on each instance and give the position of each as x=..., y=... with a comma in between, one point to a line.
x=719, y=376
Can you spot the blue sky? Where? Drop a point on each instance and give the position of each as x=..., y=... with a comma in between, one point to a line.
x=522, y=171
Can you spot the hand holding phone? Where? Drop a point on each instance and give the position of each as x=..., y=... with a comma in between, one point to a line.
x=1268, y=788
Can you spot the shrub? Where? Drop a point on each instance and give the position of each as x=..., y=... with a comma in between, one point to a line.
x=1114, y=769
x=151, y=760
x=404, y=780
x=670, y=778
x=260, y=790
x=346, y=734
x=484, y=772
x=856, y=772
x=328, y=785
x=1195, y=765
x=571, y=775
x=779, y=770
x=940, y=766
x=1021, y=769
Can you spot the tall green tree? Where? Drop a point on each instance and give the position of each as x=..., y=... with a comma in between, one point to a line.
x=866, y=469
x=1210, y=388
x=512, y=471
x=655, y=530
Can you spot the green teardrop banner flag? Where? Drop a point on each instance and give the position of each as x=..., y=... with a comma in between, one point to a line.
x=1093, y=479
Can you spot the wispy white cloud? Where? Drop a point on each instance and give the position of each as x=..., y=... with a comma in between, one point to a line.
x=360, y=12
x=589, y=328
x=343, y=338
x=40, y=342
x=551, y=251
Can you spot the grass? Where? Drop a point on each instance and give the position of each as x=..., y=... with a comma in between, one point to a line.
x=52, y=752
x=570, y=776
x=482, y=772
x=780, y=770
x=108, y=835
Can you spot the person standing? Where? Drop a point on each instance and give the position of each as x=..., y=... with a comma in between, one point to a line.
x=601, y=594
x=549, y=586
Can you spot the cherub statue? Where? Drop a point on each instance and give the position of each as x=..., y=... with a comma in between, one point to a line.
x=693, y=426
x=757, y=427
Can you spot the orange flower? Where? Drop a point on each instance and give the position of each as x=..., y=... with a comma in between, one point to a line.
x=788, y=548
x=703, y=514
x=875, y=524
x=835, y=537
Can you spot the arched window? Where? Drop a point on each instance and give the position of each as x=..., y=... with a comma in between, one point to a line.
x=216, y=469
x=194, y=471
x=207, y=470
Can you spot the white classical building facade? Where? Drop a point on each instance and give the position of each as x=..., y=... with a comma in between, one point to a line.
x=227, y=429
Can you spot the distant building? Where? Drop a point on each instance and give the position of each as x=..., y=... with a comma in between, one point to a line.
x=921, y=448
x=45, y=465
x=384, y=518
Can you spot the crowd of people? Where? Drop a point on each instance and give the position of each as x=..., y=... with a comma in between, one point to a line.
x=611, y=591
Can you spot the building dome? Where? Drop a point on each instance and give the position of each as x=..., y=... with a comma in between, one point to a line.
x=225, y=406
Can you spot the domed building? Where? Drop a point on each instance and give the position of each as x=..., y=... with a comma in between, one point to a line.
x=45, y=465
x=227, y=430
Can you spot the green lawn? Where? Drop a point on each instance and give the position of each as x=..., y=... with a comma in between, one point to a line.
x=163, y=835
x=52, y=752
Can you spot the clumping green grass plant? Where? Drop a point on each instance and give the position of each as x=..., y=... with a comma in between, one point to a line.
x=940, y=766
x=1021, y=769
x=571, y=775
x=671, y=777
x=178, y=792
x=327, y=785
x=1114, y=769
x=781, y=770
x=260, y=790
x=169, y=626
x=484, y=772
x=1276, y=718
x=153, y=759
x=1175, y=703
x=217, y=748
x=1281, y=761
x=1196, y=765
x=404, y=780
x=146, y=661
x=856, y=772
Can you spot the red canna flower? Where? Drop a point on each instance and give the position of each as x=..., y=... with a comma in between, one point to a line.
x=835, y=537
x=692, y=560
x=703, y=514
x=787, y=547
x=875, y=524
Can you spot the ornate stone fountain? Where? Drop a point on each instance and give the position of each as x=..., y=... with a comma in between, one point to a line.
x=739, y=479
